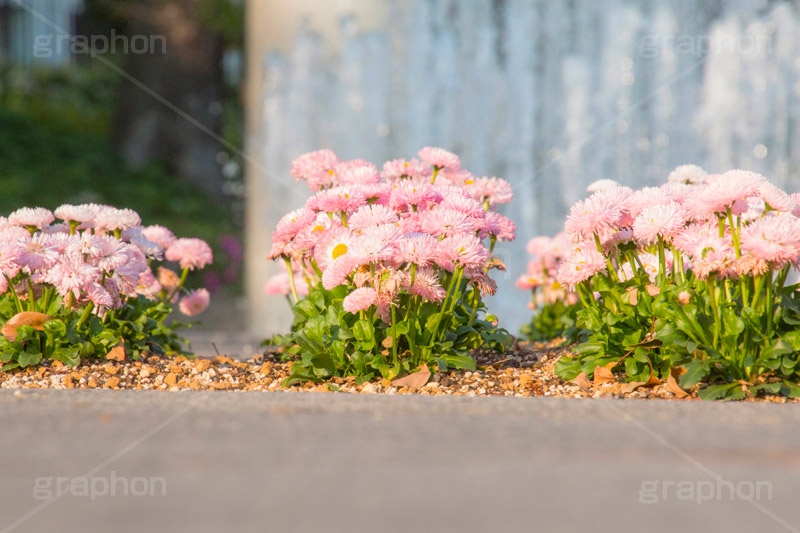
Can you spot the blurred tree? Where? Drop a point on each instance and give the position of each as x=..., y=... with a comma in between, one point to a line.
x=184, y=68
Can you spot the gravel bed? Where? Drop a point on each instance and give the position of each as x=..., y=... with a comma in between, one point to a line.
x=525, y=370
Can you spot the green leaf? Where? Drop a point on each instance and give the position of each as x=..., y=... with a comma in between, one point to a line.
x=695, y=372
x=715, y=392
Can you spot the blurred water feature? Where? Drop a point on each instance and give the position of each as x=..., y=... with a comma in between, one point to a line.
x=549, y=95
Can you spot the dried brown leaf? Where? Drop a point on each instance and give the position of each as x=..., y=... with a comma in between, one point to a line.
x=117, y=353
x=415, y=379
x=25, y=318
x=603, y=375
x=673, y=387
x=582, y=381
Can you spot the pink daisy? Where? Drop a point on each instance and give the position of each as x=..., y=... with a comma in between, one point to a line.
x=10, y=255
x=37, y=217
x=360, y=300
x=291, y=223
x=644, y=198
x=344, y=198
x=593, y=215
x=773, y=239
x=358, y=172
x=190, y=253
x=69, y=275
x=581, y=266
x=445, y=222
x=109, y=219
x=492, y=190
x=661, y=220
x=602, y=185
x=338, y=243
x=371, y=215
x=688, y=174
x=500, y=227
x=149, y=287
x=413, y=194
x=337, y=272
x=195, y=302
x=315, y=167
x=426, y=285
x=37, y=253
x=439, y=157
x=776, y=198
x=418, y=249
x=159, y=235
x=729, y=187
x=75, y=213
x=463, y=249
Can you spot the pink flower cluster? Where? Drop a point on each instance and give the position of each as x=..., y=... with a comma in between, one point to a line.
x=540, y=277
x=396, y=229
x=97, y=255
x=721, y=225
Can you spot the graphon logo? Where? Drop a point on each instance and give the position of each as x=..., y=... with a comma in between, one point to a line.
x=46, y=488
x=655, y=491
x=48, y=45
x=654, y=45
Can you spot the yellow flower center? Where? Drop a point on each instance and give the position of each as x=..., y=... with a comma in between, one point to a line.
x=339, y=250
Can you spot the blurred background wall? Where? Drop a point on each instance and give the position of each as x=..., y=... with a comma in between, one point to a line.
x=550, y=95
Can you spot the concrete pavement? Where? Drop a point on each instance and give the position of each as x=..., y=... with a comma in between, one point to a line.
x=218, y=461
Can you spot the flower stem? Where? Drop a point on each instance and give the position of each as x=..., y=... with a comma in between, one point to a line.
x=394, y=335
x=291, y=278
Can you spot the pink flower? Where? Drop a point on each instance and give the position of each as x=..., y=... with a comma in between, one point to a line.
x=371, y=215
x=445, y=222
x=593, y=215
x=773, y=239
x=71, y=275
x=10, y=254
x=339, y=242
x=190, y=253
x=14, y=233
x=688, y=174
x=500, y=227
x=109, y=219
x=492, y=190
x=601, y=185
x=149, y=287
x=463, y=249
x=75, y=213
x=439, y=158
x=556, y=247
x=37, y=253
x=664, y=220
x=401, y=168
x=639, y=200
x=360, y=300
x=581, y=266
x=358, y=172
x=413, y=194
x=159, y=235
x=462, y=204
x=729, y=187
x=418, y=249
x=345, y=198
x=776, y=198
x=195, y=302
x=796, y=199
x=37, y=217
x=337, y=272
x=315, y=167
x=426, y=285
x=684, y=297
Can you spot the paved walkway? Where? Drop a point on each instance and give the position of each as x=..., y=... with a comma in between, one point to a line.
x=309, y=462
